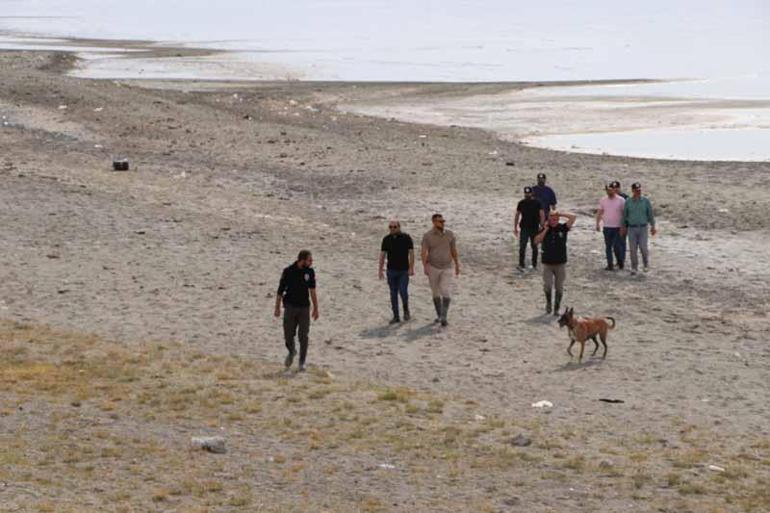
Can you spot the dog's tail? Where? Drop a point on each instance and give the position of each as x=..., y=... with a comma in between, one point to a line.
x=613, y=322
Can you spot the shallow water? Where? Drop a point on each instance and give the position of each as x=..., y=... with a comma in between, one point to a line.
x=451, y=40
x=722, y=47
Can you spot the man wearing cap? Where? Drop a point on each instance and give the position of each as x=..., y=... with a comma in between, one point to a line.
x=637, y=216
x=610, y=212
x=553, y=241
x=398, y=249
x=619, y=190
x=439, y=250
x=529, y=218
x=297, y=282
x=544, y=194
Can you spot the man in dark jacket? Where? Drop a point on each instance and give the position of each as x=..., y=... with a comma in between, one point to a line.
x=297, y=283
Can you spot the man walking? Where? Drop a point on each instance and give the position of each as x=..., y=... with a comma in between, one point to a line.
x=637, y=216
x=398, y=249
x=544, y=195
x=553, y=240
x=297, y=282
x=529, y=218
x=610, y=212
x=439, y=250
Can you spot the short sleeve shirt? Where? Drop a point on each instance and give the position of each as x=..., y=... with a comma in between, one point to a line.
x=397, y=247
x=612, y=209
x=555, y=245
x=439, y=245
x=530, y=214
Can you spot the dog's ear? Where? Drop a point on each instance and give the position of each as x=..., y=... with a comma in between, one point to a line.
x=571, y=311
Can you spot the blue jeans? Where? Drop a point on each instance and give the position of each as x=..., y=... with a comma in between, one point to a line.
x=614, y=243
x=398, y=281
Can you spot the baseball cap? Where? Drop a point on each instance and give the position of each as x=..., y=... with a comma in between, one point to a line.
x=615, y=184
x=527, y=190
x=636, y=185
x=541, y=175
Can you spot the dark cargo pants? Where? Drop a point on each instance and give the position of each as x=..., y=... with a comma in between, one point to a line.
x=296, y=321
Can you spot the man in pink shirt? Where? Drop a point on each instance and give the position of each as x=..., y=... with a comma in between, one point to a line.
x=610, y=212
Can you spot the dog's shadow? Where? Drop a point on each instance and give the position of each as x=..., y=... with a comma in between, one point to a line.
x=574, y=365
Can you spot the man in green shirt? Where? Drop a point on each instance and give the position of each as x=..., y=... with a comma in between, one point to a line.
x=637, y=216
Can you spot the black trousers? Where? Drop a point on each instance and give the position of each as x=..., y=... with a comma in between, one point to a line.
x=527, y=235
x=296, y=321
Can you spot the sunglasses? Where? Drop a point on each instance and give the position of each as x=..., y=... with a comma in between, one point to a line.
x=393, y=226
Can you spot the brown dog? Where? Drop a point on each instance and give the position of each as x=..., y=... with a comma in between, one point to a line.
x=581, y=329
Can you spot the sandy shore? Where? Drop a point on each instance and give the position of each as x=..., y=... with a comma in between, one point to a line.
x=228, y=184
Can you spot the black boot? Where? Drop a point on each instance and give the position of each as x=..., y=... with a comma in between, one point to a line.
x=548, y=302
x=557, y=303
x=444, y=310
x=437, y=304
x=407, y=315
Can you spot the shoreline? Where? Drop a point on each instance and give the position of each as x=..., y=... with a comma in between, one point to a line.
x=636, y=127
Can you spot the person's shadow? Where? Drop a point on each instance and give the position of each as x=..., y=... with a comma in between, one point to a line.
x=380, y=332
x=543, y=319
x=421, y=332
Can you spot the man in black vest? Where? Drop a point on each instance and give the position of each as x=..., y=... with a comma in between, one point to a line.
x=398, y=248
x=297, y=282
x=553, y=241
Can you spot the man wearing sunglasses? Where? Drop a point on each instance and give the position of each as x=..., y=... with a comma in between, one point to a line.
x=397, y=248
x=439, y=250
x=637, y=216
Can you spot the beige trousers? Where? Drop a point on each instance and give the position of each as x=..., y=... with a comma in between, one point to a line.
x=554, y=276
x=441, y=281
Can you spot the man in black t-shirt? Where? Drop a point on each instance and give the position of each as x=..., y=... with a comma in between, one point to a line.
x=553, y=241
x=398, y=249
x=529, y=218
x=297, y=282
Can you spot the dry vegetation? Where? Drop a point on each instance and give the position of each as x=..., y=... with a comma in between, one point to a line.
x=88, y=425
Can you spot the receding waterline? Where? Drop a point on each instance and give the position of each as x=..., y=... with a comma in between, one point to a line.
x=745, y=145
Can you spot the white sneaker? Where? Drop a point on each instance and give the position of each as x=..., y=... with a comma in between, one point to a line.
x=646, y=269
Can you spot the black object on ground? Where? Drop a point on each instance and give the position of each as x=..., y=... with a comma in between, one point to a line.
x=120, y=164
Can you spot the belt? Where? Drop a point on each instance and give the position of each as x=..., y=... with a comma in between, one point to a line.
x=637, y=225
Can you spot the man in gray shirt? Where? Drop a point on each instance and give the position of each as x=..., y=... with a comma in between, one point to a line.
x=439, y=250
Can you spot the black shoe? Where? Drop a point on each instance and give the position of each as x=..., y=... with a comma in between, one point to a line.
x=407, y=316
x=289, y=359
x=394, y=320
x=609, y=268
x=444, y=323
x=620, y=265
